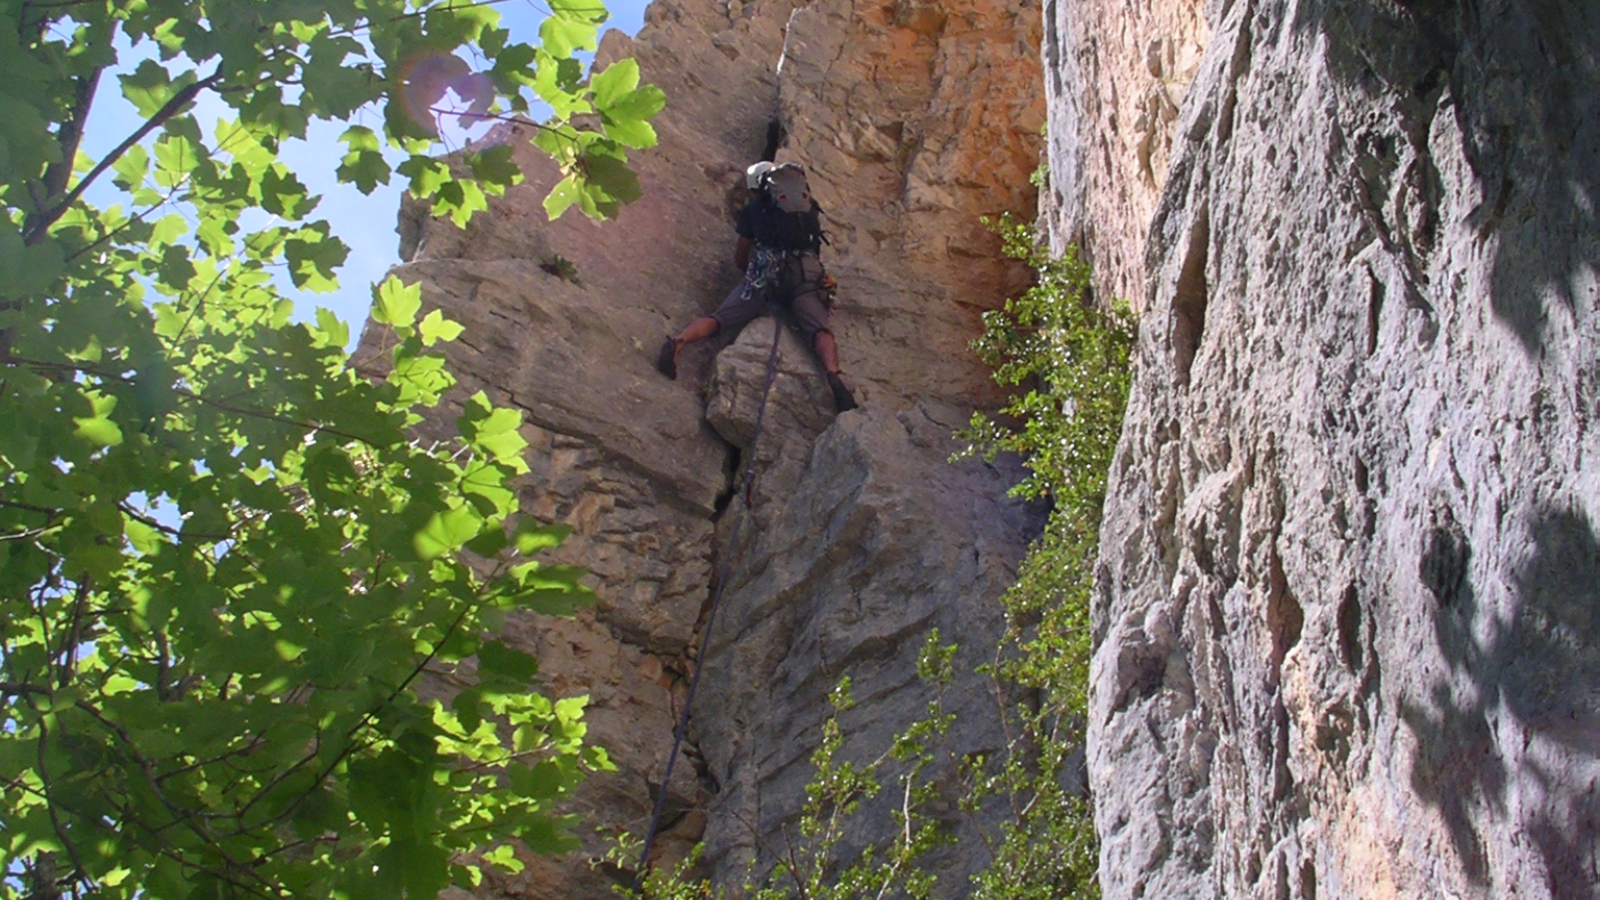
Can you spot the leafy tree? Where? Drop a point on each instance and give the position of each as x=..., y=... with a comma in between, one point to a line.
x=226, y=565
x=1070, y=360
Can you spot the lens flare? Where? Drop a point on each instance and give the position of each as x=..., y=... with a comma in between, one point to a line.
x=429, y=80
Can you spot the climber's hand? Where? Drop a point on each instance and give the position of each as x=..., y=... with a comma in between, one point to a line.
x=828, y=284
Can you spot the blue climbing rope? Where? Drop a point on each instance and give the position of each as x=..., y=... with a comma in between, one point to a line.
x=711, y=615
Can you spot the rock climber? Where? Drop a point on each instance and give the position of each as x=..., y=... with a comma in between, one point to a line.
x=779, y=247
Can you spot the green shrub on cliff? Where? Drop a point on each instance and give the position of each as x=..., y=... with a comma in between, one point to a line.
x=1070, y=359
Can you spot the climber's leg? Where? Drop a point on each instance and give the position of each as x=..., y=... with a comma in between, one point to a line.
x=698, y=330
x=812, y=315
x=742, y=305
x=827, y=351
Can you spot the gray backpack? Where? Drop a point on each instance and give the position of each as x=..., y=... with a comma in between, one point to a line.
x=790, y=217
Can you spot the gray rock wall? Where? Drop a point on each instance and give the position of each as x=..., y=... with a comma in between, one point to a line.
x=1348, y=610
x=1116, y=73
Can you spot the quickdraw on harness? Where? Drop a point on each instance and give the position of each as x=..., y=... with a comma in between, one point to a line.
x=723, y=571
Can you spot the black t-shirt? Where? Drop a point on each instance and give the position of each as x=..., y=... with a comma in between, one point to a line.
x=762, y=223
x=746, y=223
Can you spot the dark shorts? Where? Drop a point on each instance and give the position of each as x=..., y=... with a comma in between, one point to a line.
x=797, y=288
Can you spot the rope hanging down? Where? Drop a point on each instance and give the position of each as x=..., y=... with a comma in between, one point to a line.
x=711, y=614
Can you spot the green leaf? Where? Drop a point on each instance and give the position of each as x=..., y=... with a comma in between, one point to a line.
x=581, y=10
x=542, y=782
x=495, y=169
x=496, y=658
x=167, y=229
x=614, y=178
x=99, y=431
x=561, y=35
x=642, y=103
x=435, y=327
x=630, y=132
x=283, y=195
x=490, y=541
x=314, y=258
x=149, y=86
x=447, y=532
x=333, y=89
x=460, y=199
x=364, y=166
x=396, y=303
x=616, y=81
x=131, y=168
x=177, y=158
x=531, y=536
x=556, y=82
x=331, y=331
x=494, y=432
x=427, y=175
x=175, y=269
x=561, y=198
x=144, y=538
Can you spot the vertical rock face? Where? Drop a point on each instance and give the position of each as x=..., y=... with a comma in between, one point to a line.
x=914, y=119
x=1116, y=73
x=1348, y=611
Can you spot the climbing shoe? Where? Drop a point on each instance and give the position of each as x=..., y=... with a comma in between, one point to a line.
x=667, y=361
x=842, y=398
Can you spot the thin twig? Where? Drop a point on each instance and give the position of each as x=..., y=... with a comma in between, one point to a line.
x=45, y=510
x=69, y=641
x=168, y=529
x=350, y=743
x=198, y=398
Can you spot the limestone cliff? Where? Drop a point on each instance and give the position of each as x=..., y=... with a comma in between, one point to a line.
x=1115, y=75
x=914, y=119
x=1348, y=610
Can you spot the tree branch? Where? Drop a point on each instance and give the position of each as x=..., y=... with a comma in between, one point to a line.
x=169, y=109
x=168, y=529
x=69, y=640
x=350, y=742
x=180, y=814
x=18, y=688
x=57, y=173
x=31, y=508
x=79, y=873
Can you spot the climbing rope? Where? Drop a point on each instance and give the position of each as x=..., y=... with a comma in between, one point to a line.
x=711, y=614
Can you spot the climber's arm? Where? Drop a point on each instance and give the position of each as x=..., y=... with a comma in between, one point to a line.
x=741, y=253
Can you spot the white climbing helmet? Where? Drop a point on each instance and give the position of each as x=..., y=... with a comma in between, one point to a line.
x=752, y=175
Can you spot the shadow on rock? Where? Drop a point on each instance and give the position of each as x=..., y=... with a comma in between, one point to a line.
x=1542, y=665
x=1523, y=82
x=1527, y=84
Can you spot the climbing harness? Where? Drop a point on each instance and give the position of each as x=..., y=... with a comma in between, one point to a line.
x=711, y=615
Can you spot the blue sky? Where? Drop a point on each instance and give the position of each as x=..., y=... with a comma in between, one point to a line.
x=365, y=222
